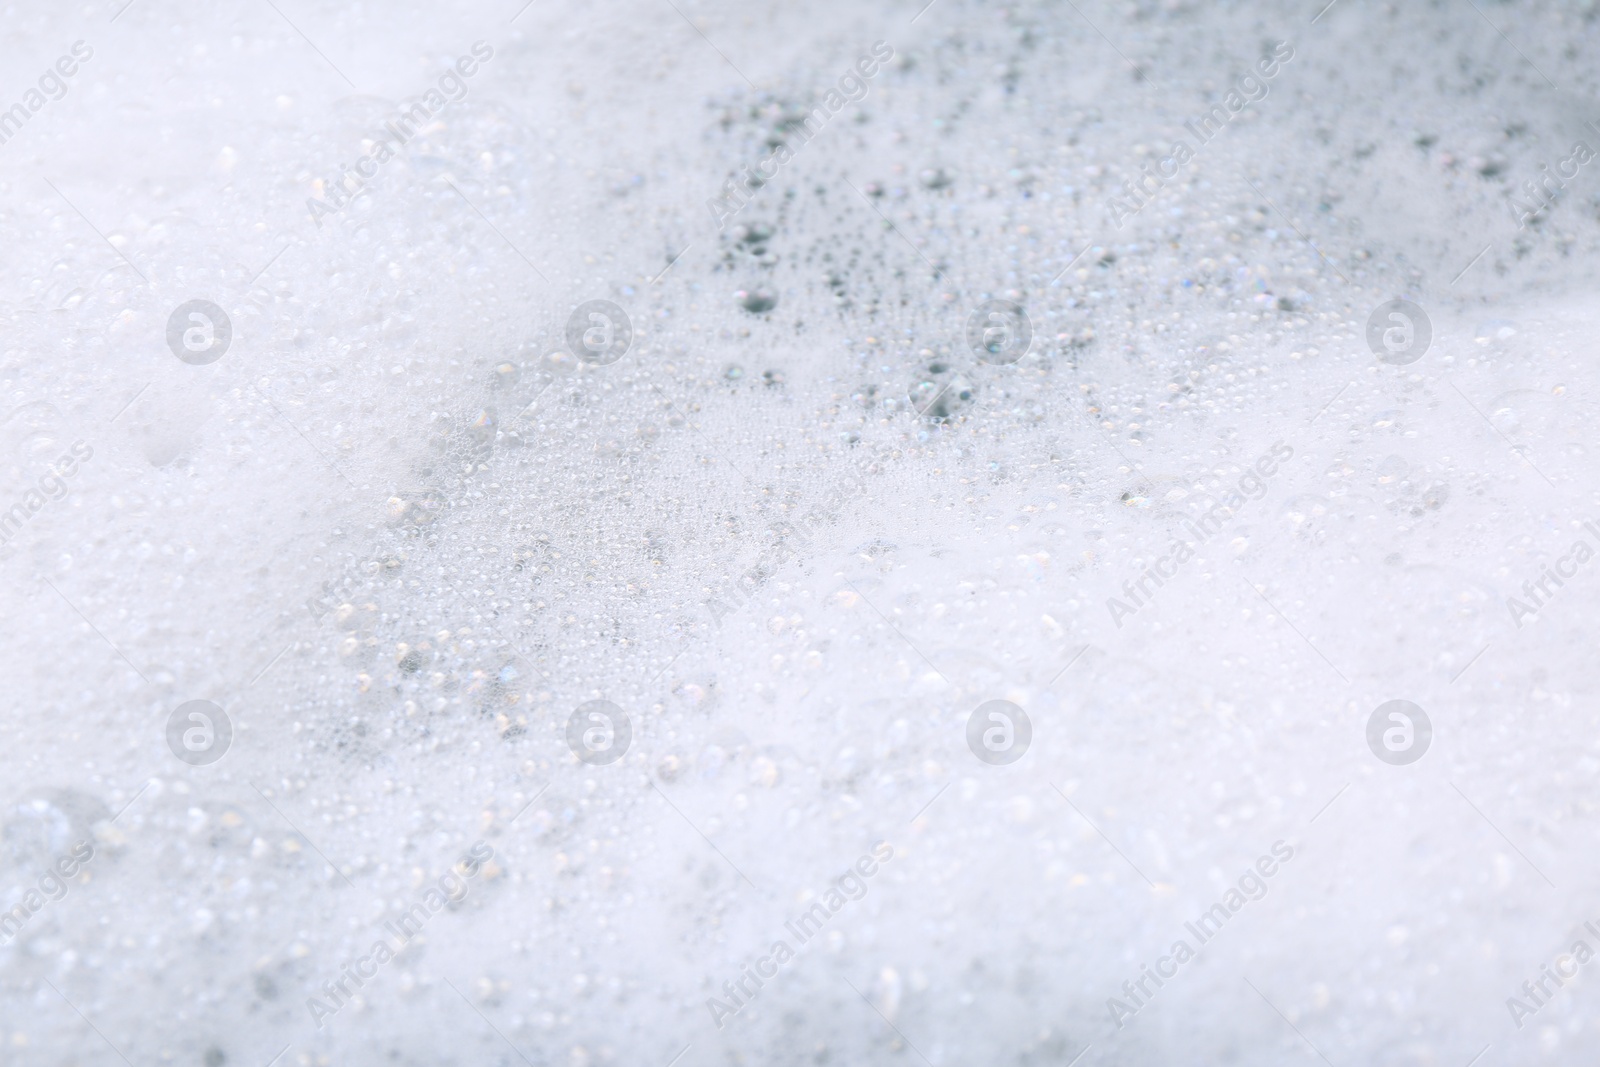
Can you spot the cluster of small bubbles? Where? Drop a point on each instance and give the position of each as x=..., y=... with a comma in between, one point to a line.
x=414, y=509
x=748, y=246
